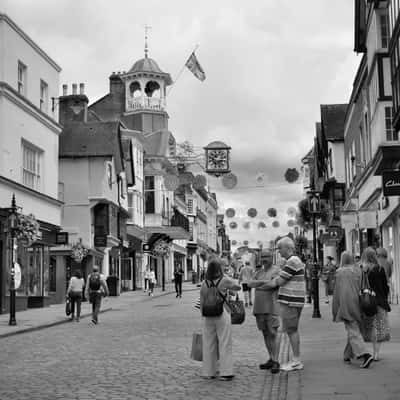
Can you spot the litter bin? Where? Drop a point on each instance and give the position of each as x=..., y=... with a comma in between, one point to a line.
x=194, y=277
x=113, y=285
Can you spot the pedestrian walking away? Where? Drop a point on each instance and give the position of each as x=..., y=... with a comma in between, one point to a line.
x=75, y=293
x=246, y=275
x=178, y=277
x=387, y=264
x=346, y=309
x=146, y=278
x=328, y=277
x=308, y=269
x=290, y=297
x=152, y=280
x=96, y=289
x=266, y=309
x=217, y=328
x=376, y=328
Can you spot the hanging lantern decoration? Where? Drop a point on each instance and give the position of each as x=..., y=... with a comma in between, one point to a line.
x=290, y=223
x=252, y=212
x=230, y=213
x=291, y=212
x=229, y=181
x=161, y=249
x=79, y=251
x=217, y=158
x=260, y=177
x=246, y=225
x=233, y=225
x=291, y=175
x=245, y=242
x=199, y=182
x=171, y=182
x=275, y=224
x=233, y=242
x=261, y=225
x=272, y=212
x=186, y=178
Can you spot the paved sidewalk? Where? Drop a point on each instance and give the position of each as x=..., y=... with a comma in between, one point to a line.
x=327, y=377
x=39, y=318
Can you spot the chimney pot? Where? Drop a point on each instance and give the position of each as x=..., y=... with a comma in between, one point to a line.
x=81, y=88
x=65, y=90
x=74, y=88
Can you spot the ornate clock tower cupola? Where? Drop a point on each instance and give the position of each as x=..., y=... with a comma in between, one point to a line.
x=145, y=95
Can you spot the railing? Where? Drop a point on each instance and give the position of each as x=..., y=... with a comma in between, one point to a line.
x=179, y=219
x=145, y=103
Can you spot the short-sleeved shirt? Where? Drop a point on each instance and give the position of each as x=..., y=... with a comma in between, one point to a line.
x=266, y=301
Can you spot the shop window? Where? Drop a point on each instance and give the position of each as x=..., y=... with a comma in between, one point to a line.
x=38, y=271
x=52, y=275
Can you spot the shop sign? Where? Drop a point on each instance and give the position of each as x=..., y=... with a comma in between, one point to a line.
x=391, y=183
x=100, y=241
x=146, y=248
x=62, y=238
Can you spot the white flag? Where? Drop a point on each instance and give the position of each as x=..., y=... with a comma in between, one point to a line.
x=194, y=66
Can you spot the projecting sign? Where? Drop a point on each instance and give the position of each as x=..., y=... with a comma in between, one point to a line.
x=391, y=183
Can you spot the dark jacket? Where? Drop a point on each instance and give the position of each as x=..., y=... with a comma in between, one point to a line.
x=378, y=282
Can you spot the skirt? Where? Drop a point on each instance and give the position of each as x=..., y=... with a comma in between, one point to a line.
x=376, y=328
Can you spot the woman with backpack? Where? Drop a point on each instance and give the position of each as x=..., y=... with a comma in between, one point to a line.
x=217, y=330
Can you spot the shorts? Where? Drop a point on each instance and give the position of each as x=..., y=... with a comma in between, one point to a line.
x=290, y=318
x=245, y=288
x=268, y=323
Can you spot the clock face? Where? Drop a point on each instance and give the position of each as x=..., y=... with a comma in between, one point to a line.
x=217, y=159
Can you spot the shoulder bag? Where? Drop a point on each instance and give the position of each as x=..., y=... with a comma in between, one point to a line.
x=238, y=312
x=368, y=303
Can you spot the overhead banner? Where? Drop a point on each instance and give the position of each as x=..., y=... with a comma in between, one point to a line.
x=391, y=183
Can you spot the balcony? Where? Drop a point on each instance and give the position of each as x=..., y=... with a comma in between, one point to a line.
x=145, y=103
x=179, y=219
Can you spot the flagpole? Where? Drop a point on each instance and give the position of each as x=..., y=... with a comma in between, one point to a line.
x=181, y=71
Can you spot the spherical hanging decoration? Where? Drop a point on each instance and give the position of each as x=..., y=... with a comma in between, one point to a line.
x=259, y=243
x=260, y=177
x=233, y=242
x=261, y=225
x=291, y=175
x=246, y=225
x=291, y=212
x=199, y=181
x=252, y=212
x=233, y=225
x=229, y=181
x=186, y=178
x=275, y=224
x=171, y=182
x=245, y=242
x=272, y=212
x=291, y=222
x=230, y=212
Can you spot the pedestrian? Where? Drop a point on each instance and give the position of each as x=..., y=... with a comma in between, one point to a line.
x=290, y=297
x=328, y=277
x=266, y=309
x=75, y=293
x=246, y=275
x=357, y=260
x=96, y=288
x=387, y=264
x=152, y=280
x=217, y=328
x=378, y=328
x=178, y=277
x=346, y=309
x=308, y=269
x=146, y=278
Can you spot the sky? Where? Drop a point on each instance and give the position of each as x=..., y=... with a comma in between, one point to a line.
x=269, y=65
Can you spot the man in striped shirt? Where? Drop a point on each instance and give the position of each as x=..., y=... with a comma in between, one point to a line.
x=290, y=297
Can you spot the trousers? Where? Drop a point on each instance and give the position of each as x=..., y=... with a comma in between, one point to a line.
x=355, y=346
x=217, y=338
x=95, y=299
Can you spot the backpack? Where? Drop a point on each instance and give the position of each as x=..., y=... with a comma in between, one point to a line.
x=94, y=281
x=213, y=302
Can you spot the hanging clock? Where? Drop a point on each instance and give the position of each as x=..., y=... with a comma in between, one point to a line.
x=217, y=158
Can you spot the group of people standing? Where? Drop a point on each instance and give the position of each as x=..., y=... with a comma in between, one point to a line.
x=278, y=302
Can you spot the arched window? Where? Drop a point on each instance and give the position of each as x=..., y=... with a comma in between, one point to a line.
x=152, y=89
x=135, y=89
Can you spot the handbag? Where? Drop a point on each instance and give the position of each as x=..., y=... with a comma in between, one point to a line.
x=368, y=303
x=238, y=312
x=197, y=347
x=68, y=307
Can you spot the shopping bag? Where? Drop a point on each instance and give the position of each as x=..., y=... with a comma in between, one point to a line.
x=68, y=306
x=238, y=312
x=197, y=347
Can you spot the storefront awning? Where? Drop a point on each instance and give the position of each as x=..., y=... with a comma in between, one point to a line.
x=174, y=232
x=386, y=158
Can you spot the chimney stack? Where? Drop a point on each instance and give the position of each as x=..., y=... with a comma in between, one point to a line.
x=65, y=90
x=81, y=88
x=73, y=107
x=74, y=88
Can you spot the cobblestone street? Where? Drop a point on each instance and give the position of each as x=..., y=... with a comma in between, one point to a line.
x=140, y=351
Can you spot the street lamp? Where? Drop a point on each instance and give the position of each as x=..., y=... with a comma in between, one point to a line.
x=12, y=224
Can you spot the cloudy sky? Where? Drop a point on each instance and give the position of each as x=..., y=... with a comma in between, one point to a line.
x=269, y=65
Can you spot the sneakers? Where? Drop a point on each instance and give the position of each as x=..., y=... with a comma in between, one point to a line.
x=267, y=365
x=226, y=377
x=292, y=366
x=251, y=303
x=367, y=361
x=276, y=367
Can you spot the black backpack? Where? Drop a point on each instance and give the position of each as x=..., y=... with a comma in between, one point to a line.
x=94, y=281
x=213, y=302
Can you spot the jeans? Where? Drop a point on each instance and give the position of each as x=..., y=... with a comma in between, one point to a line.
x=178, y=286
x=355, y=346
x=95, y=299
x=76, y=298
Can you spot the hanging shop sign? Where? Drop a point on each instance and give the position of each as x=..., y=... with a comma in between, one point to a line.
x=391, y=183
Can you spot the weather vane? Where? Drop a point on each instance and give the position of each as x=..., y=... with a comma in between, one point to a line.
x=147, y=28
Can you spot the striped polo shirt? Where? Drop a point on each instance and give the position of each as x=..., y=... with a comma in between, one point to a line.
x=292, y=292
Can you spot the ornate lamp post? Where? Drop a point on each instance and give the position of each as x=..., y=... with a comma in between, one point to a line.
x=12, y=224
